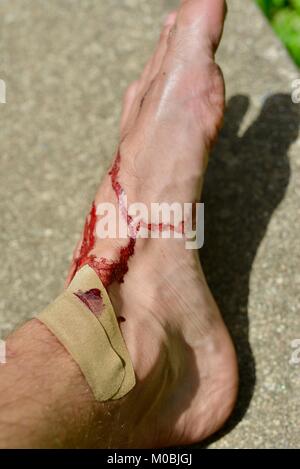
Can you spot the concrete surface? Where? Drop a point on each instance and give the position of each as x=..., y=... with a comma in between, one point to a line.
x=66, y=64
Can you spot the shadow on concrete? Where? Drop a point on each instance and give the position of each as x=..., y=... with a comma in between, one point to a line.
x=246, y=180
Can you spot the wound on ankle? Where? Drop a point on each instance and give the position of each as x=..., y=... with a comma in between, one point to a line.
x=84, y=321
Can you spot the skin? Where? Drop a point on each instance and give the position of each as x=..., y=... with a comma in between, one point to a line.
x=182, y=354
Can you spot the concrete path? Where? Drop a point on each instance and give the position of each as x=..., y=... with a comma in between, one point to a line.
x=66, y=64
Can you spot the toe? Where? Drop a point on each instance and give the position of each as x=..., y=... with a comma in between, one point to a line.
x=201, y=20
x=188, y=91
x=162, y=47
x=153, y=65
x=136, y=92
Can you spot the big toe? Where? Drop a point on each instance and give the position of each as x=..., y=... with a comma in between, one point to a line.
x=201, y=21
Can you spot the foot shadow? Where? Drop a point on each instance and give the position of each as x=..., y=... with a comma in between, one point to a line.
x=246, y=180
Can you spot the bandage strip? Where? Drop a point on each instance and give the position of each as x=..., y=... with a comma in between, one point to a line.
x=91, y=334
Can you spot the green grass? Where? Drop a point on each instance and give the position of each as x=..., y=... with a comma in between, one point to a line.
x=284, y=16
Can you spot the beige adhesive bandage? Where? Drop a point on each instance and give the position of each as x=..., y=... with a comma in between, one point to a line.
x=93, y=340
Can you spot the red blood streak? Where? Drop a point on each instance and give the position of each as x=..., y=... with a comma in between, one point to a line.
x=108, y=270
x=162, y=227
x=88, y=241
x=159, y=227
x=114, y=174
x=92, y=299
x=88, y=238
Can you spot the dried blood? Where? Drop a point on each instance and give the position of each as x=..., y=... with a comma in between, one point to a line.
x=108, y=270
x=92, y=299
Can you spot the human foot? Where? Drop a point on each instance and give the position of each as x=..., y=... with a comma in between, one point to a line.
x=182, y=354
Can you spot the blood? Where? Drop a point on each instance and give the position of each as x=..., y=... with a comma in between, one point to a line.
x=114, y=174
x=160, y=227
x=119, y=191
x=108, y=270
x=92, y=299
x=88, y=239
x=114, y=271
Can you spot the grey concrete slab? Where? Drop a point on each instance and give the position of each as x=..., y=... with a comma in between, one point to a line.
x=66, y=64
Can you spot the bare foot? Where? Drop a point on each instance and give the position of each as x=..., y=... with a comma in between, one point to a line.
x=182, y=353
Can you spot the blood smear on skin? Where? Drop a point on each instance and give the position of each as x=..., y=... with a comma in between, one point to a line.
x=107, y=270
x=92, y=299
